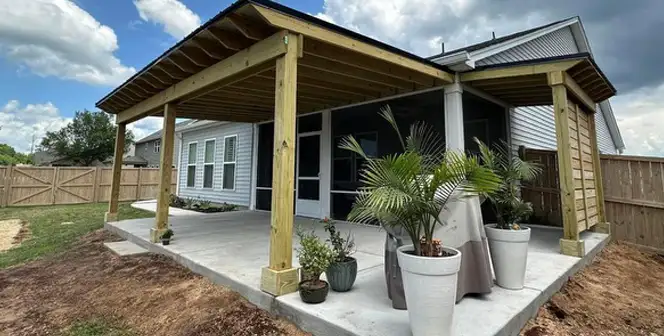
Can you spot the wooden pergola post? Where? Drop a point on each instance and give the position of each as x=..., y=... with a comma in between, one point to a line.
x=165, y=172
x=112, y=214
x=279, y=277
x=570, y=244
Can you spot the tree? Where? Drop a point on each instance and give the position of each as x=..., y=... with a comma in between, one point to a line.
x=8, y=155
x=89, y=137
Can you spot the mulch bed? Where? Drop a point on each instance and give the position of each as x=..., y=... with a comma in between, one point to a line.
x=620, y=293
x=150, y=294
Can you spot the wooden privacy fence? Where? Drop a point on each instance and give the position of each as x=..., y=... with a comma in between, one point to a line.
x=633, y=195
x=23, y=186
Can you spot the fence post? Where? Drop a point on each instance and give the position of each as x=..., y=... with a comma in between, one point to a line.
x=54, y=184
x=139, y=184
x=95, y=186
x=8, y=186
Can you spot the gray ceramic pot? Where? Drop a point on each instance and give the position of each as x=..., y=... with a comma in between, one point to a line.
x=341, y=275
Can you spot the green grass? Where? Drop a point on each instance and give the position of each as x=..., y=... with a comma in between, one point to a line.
x=49, y=236
x=97, y=328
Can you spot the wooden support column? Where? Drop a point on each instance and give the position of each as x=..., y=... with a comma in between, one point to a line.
x=570, y=244
x=280, y=277
x=112, y=214
x=165, y=172
x=602, y=226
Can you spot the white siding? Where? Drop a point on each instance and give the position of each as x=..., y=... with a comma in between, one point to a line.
x=242, y=192
x=533, y=127
x=604, y=140
x=558, y=43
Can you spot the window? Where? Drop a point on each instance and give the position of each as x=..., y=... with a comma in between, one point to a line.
x=230, y=152
x=157, y=146
x=191, y=165
x=208, y=163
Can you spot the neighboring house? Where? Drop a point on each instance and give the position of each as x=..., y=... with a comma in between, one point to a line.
x=46, y=159
x=534, y=126
x=148, y=149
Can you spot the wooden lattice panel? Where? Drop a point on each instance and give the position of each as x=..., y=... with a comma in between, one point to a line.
x=581, y=133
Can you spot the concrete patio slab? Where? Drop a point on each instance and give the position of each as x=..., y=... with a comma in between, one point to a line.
x=231, y=248
x=125, y=248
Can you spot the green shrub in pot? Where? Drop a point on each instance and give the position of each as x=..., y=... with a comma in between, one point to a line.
x=314, y=257
x=343, y=270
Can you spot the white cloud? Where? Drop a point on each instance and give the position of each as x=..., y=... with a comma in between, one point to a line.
x=640, y=116
x=23, y=124
x=145, y=127
x=58, y=38
x=177, y=19
x=420, y=26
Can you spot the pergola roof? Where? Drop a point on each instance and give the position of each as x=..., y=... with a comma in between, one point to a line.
x=527, y=83
x=337, y=67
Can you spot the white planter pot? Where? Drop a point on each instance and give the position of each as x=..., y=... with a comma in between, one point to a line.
x=509, y=253
x=430, y=288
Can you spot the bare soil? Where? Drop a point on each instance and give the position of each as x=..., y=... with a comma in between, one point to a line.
x=149, y=294
x=620, y=293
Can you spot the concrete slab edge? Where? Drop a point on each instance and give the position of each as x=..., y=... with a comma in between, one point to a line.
x=253, y=295
x=516, y=323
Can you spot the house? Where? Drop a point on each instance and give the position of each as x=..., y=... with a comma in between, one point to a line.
x=146, y=151
x=276, y=89
x=208, y=171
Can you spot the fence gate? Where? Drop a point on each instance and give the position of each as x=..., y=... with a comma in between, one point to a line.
x=31, y=186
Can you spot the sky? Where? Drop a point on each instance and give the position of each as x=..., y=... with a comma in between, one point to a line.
x=61, y=56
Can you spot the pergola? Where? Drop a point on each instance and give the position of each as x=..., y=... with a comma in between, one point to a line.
x=258, y=60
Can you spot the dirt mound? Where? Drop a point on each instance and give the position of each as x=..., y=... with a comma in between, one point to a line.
x=149, y=293
x=621, y=293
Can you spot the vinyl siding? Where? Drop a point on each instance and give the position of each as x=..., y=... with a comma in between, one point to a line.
x=604, y=140
x=533, y=127
x=146, y=151
x=558, y=43
x=242, y=192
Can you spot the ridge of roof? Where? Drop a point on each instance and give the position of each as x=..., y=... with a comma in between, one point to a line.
x=157, y=134
x=491, y=42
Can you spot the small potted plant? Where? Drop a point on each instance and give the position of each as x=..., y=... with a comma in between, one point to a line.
x=166, y=237
x=409, y=190
x=508, y=238
x=343, y=270
x=314, y=257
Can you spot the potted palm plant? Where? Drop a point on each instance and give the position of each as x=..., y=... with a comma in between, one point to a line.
x=508, y=239
x=343, y=269
x=409, y=190
x=314, y=257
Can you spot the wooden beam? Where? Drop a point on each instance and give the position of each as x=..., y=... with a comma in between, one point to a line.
x=182, y=62
x=569, y=243
x=245, y=26
x=229, y=40
x=113, y=202
x=561, y=77
x=259, y=53
x=165, y=172
x=197, y=56
x=319, y=33
x=321, y=64
x=597, y=169
x=520, y=70
x=336, y=54
x=280, y=277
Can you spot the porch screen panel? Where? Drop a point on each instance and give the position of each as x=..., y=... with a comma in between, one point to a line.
x=581, y=131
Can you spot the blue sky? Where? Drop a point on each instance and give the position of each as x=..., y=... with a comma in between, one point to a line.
x=60, y=56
